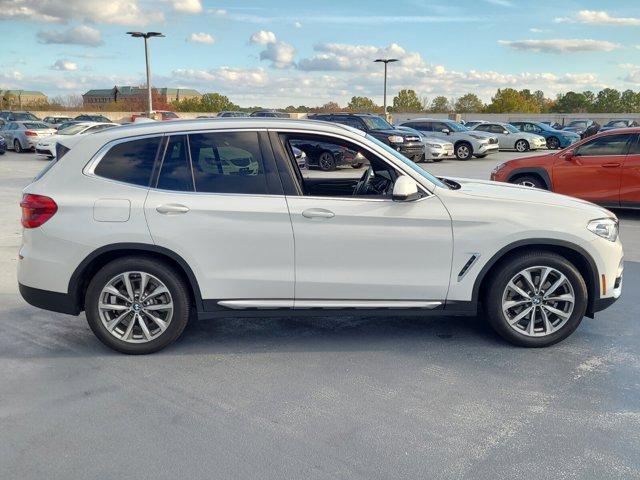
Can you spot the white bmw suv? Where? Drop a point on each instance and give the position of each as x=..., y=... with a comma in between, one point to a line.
x=142, y=226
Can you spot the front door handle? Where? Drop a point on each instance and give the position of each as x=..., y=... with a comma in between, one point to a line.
x=171, y=209
x=318, y=213
x=611, y=165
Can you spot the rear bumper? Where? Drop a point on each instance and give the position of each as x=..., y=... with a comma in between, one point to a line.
x=47, y=300
x=603, y=303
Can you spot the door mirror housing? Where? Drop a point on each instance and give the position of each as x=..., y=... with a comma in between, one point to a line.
x=405, y=189
x=446, y=131
x=505, y=132
x=569, y=154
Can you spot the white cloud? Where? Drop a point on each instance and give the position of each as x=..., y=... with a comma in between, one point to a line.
x=500, y=3
x=345, y=57
x=116, y=12
x=201, y=38
x=537, y=30
x=595, y=17
x=64, y=65
x=187, y=6
x=218, y=12
x=81, y=35
x=280, y=54
x=263, y=37
x=561, y=45
x=222, y=77
x=297, y=24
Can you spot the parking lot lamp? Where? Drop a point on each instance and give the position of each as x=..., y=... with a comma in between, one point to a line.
x=385, y=61
x=147, y=36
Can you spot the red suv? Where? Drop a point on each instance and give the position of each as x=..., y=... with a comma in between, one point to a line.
x=603, y=169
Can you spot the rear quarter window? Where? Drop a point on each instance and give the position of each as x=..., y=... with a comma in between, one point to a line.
x=130, y=161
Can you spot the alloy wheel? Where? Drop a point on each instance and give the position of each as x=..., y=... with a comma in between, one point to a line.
x=553, y=143
x=538, y=301
x=16, y=146
x=326, y=161
x=521, y=146
x=463, y=152
x=527, y=183
x=135, y=307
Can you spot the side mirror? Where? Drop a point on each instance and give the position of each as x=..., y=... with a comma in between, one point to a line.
x=505, y=132
x=405, y=189
x=569, y=154
x=446, y=130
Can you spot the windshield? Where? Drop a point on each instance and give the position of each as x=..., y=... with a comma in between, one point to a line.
x=456, y=127
x=377, y=123
x=72, y=129
x=511, y=128
x=35, y=125
x=24, y=116
x=578, y=124
x=406, y=161
x=411, y=130
x=616, y=123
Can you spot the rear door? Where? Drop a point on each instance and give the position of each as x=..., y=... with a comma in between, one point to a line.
x=218, y=203
x=630, y=184
x=594, y=172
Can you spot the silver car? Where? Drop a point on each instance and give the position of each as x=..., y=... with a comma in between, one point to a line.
x=435, y=149
x=23, y=136
x=510, y=138
x=55, y=122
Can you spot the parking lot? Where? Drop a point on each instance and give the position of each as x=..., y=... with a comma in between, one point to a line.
x=366, y=398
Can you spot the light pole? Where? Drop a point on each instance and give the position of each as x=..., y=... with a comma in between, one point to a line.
x=147, y=36
x=385, y=61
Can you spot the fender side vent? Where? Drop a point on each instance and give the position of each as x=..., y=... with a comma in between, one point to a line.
x=468, y=265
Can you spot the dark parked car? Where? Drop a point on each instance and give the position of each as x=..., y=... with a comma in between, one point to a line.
x=64, y=125
x=406, y=143
x=619, y=123
x=269, y=114
x=583, y=127
x=234, y=114
x=326, y=156
x=93, y=118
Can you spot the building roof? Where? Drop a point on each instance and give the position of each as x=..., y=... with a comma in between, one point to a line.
x=22, y=92
x=127, y=90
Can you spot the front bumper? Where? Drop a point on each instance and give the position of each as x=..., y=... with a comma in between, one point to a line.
x=45, y=150
x=410, y=150
x=431, y=152
x=486, y=149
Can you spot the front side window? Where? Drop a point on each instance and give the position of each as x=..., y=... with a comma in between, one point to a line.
x=228, y=162
x=482, y=128
x=130, y=161
x=607, y=145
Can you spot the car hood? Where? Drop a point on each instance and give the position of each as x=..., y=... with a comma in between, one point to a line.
x=479, y=133
x=574, y=129
x=529, y=136
x=526, y=195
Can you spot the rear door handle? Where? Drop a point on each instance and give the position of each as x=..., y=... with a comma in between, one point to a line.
x=318, y=213
x=171, y=208
x=611, y=165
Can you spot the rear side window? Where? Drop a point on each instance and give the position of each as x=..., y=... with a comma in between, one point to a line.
x=130, y=162
x=228, y=162
x=175, y=173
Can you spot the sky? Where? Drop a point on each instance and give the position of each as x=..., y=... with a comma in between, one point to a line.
x=286, y=52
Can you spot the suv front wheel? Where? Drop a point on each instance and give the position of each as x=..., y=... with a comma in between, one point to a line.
x=464, y=151
x=137, y=305
x=536, y=299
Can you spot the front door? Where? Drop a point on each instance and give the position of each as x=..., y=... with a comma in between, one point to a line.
x=217, y=205
x=594, y=172
x=354, y=245
x=630, y=185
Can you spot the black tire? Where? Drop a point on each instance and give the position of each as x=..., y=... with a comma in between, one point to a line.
x=529, y=181
x=326, y=161
x=464, y=151
x=553, y=143
x=357, y=165
x=167, y=275
x=481, y=156
x=16, y=146
x=503, y=274
x=436, y=160
x=522, y=146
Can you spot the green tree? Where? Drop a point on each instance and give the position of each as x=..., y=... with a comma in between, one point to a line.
x=440, y=104
x=573, y=102
x=469, y=103
x=509, y=100
x=630, y=101
x=407, y=101
x=362, y=104
x=608, y=101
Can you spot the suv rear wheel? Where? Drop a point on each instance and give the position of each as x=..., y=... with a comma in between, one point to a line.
x=464, y=151
x=17, y=146
x=136, y=305
x=536, y=299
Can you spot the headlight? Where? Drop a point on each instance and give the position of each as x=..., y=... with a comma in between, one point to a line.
x=497, y=168
x=605, y=228
x=395, y=139
x=433, y=145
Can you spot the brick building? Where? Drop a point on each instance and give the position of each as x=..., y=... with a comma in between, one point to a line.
x=97, y=97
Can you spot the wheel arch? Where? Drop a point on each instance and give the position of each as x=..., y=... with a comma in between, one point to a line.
x=537, y=171
x=82, y=275
x=579, y=257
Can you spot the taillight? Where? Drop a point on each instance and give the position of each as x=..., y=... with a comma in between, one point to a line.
x=36, y=209
x=30, y=133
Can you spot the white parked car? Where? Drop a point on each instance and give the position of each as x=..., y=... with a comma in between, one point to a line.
x=168, y=218
x=435, y=149
x=47, y=145
x=510, y=138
